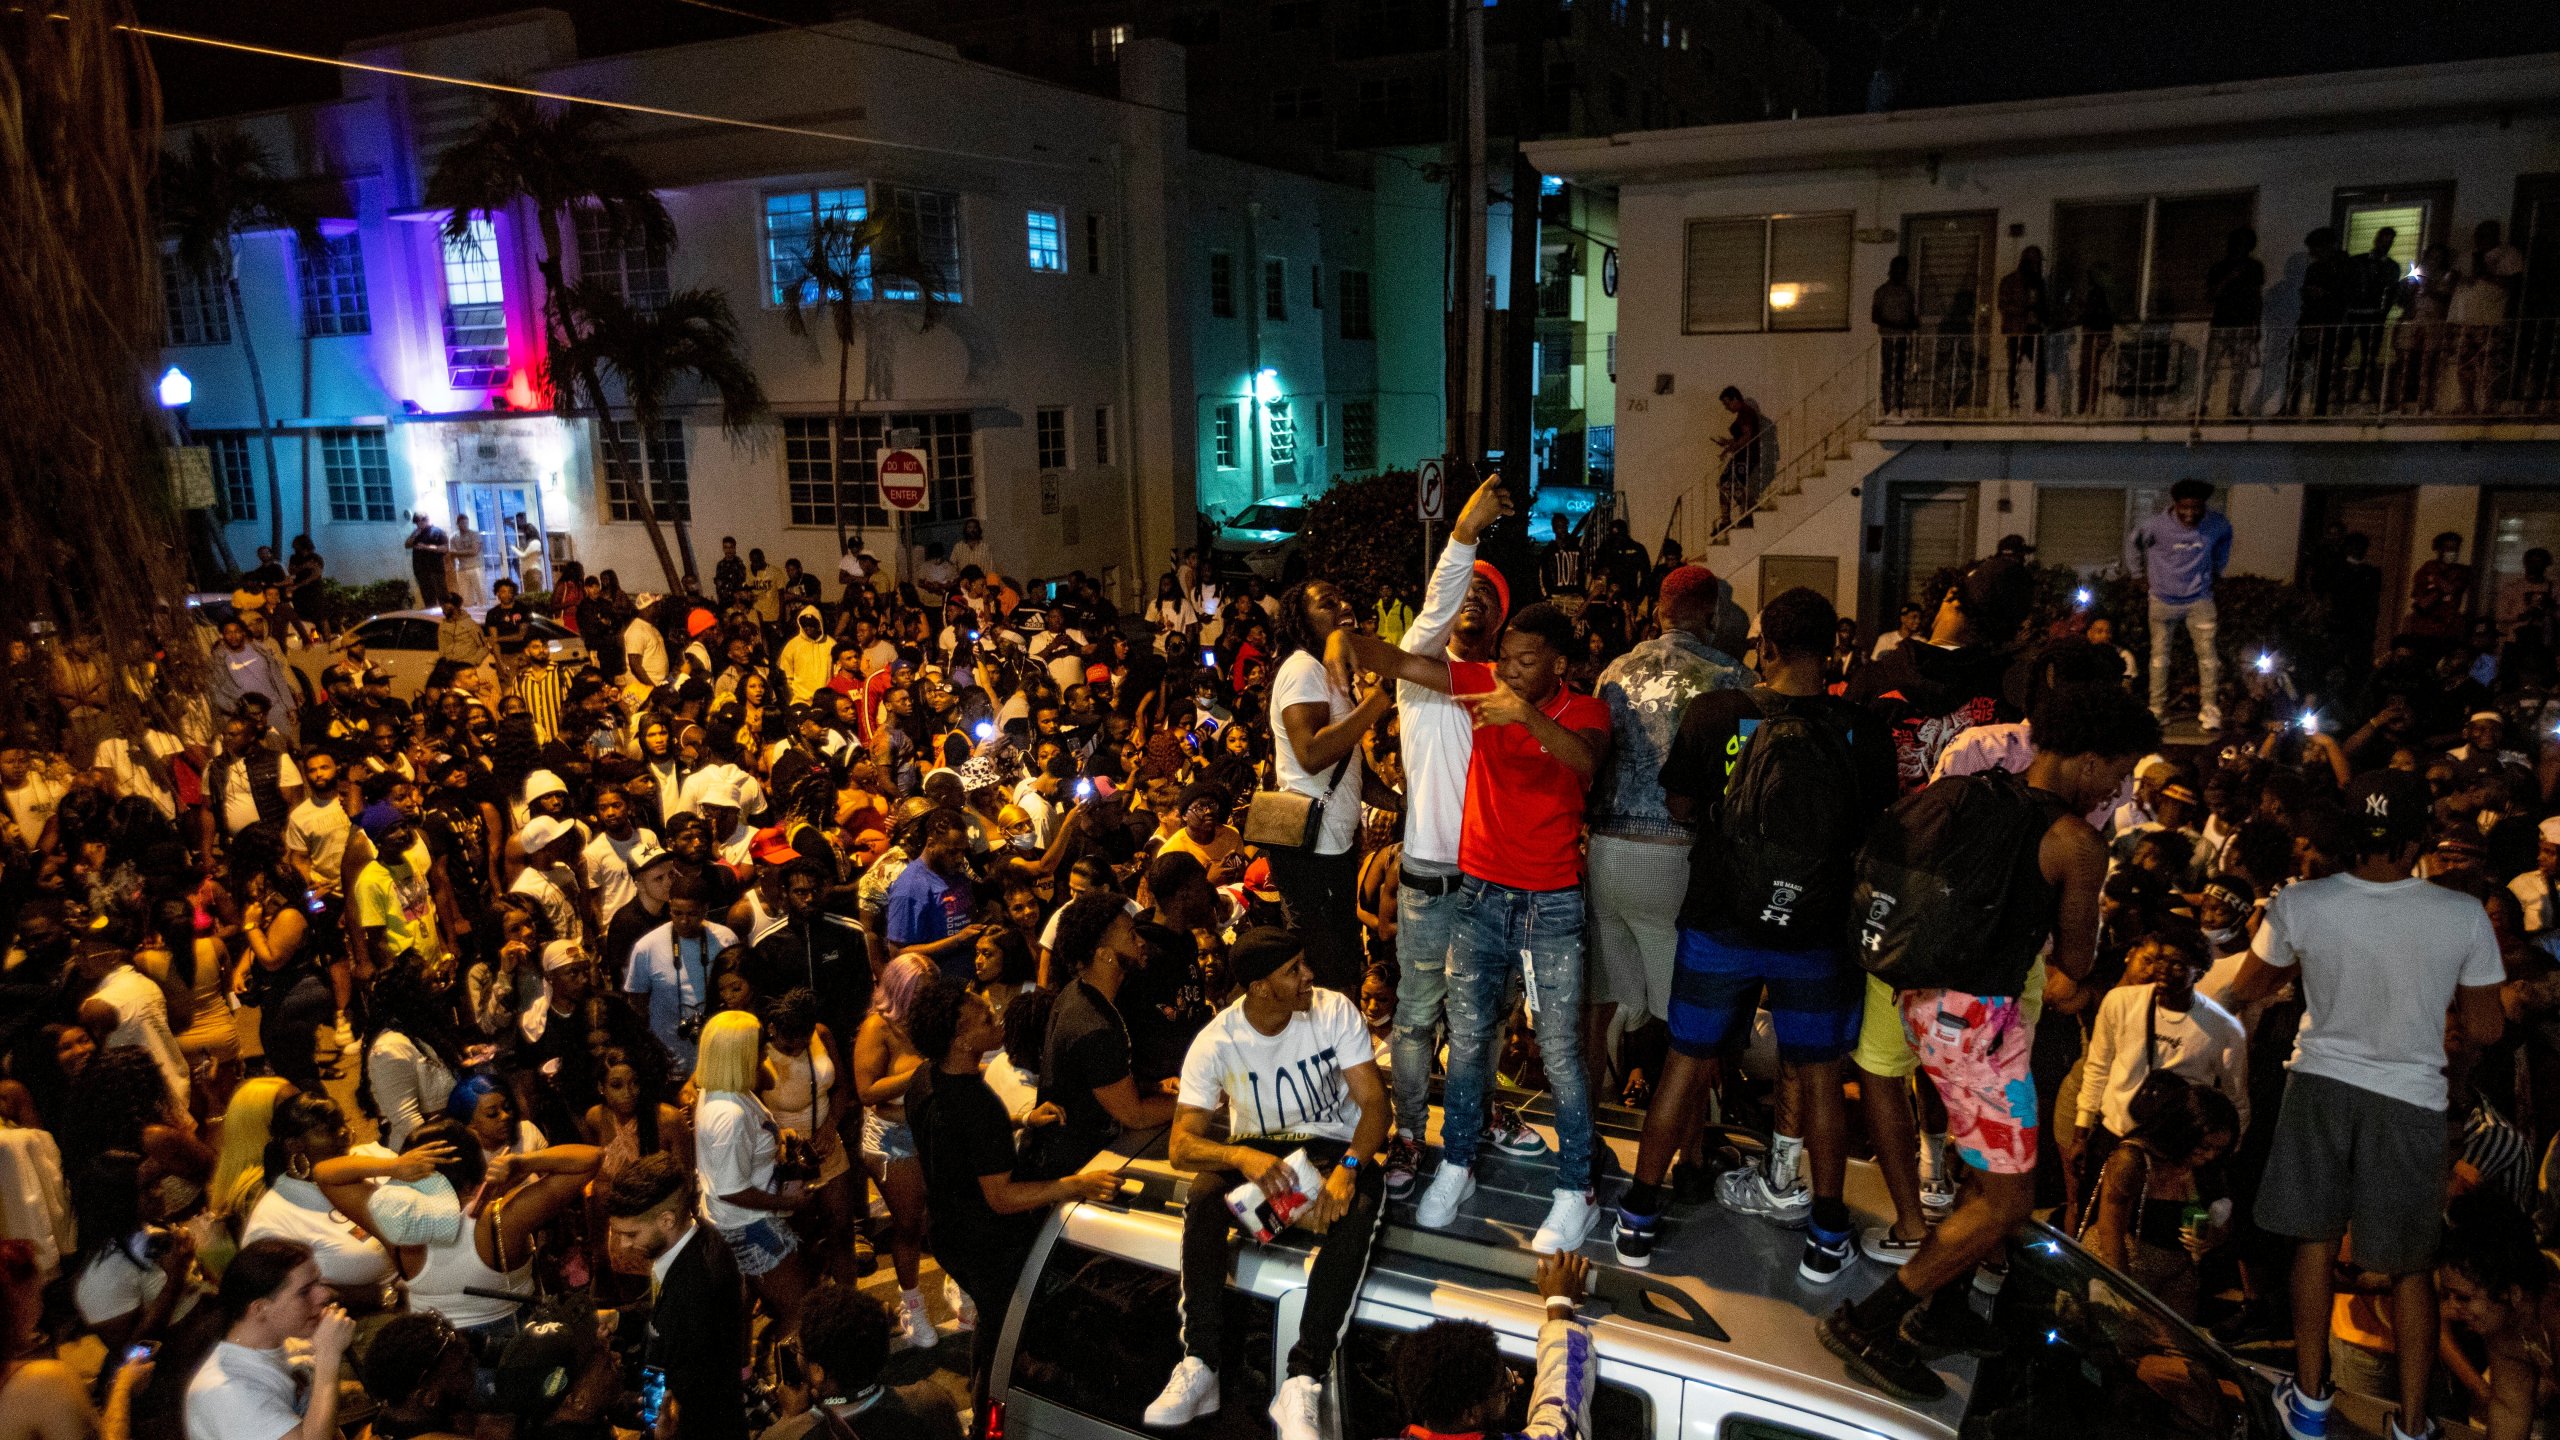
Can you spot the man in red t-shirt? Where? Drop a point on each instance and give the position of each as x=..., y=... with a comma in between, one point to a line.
x=1537, y=747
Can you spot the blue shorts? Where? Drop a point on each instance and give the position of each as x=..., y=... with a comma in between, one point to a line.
x=1815, y=997
x=761, y=1245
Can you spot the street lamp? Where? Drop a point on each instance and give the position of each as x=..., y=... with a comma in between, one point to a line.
x=1266, y=385
x=176, y=390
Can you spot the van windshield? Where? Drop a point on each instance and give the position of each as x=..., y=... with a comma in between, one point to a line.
x=2092, y=1355
x=1284, y=518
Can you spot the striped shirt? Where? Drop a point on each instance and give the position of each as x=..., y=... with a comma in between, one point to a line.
x=545, y=690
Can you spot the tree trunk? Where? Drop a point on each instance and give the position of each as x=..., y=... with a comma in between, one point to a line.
x=306, y=429
x=835, y=444
x=258, y=390
x=638, y=488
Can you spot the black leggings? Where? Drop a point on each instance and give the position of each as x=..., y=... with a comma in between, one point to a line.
x=1321, y=893
x=288, y=1023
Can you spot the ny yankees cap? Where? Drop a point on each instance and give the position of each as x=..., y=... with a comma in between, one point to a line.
x=2390, y=806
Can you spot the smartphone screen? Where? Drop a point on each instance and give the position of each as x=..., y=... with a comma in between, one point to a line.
x=653, y=1395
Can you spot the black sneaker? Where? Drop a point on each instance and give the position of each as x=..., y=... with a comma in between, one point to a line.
x=1887, y=1362
x=1634, y=1238
x=1826, y=1256
x=1404, y=1166
x=1938, y=1331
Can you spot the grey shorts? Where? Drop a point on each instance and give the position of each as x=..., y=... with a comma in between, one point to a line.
x=2351, y=1160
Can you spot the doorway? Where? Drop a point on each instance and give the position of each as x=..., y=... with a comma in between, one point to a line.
x=503, y=514
x=1928, y=528
x=2384, y=517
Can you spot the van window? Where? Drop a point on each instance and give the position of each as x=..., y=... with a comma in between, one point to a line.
x=1369, y=1404
x=2092, y=1356
x=1102, y=1333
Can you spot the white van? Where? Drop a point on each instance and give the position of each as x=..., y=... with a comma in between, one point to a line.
x=1715, y=1342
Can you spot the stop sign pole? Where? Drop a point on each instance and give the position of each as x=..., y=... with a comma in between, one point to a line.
x=902, y=489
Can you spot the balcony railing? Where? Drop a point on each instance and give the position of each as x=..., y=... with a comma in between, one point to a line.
x=2401, y=372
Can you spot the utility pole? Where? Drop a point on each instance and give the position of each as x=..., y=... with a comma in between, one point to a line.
x=1529, y=20
x=1467, y=243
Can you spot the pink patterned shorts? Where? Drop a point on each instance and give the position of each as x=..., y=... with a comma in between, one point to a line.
x=1975, y=1048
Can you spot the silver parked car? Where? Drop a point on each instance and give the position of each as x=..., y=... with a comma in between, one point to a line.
x=403, y=642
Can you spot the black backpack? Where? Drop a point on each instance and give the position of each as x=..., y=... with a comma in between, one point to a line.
x=1789, y=825
x=1935, y=878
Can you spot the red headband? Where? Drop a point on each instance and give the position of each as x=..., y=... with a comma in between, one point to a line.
x=1501, y=591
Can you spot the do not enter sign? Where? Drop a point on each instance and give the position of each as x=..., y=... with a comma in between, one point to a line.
x=902, y=483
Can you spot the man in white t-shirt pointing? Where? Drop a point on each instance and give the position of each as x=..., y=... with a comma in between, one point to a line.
x=2361, y=1142
x=1293, y=1066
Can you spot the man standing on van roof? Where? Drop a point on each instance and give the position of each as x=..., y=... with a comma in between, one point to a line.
x=2180, y=552
x=1972, y=1031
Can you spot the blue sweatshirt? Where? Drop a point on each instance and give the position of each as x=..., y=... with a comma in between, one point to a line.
x=2180, y=562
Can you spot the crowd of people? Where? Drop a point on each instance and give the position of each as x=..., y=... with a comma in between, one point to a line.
x=568, y=1039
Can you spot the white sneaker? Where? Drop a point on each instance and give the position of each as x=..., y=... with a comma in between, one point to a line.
x=1295, y=1408
x=1191, y=1393
x=1449, y=1188
x=1568, y=1222
x=962, y=1307
x=344, y=1036
x=915, y=1324
x=1746, y=1191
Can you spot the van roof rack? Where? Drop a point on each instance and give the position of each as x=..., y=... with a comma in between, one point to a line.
x=1150, y=1185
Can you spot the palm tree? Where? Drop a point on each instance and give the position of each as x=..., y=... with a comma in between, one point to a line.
x=843, y=270
x=691, y=336
x=210, y=194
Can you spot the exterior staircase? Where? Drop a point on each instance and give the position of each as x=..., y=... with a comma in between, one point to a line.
x=1837, y=417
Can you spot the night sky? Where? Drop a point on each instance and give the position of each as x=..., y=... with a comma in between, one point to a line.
x=1977, y=49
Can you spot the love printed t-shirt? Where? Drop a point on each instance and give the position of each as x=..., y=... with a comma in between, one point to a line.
x=1288, y=1086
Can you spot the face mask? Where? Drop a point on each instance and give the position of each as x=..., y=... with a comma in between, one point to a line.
x=2223, y=937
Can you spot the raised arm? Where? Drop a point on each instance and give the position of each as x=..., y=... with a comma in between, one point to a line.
x=1429, y=632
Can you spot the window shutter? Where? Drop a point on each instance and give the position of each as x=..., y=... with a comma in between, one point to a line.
x=1725, y=268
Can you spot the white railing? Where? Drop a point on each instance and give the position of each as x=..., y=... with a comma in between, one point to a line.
x=2191, y=373
x=1818, y=429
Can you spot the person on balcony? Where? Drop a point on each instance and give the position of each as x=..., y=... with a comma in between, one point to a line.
x=2022, y=307
x=2326, y=283
x=2237, y=286
x=2376, y=285
x=1895, y=312
x=1749, y=453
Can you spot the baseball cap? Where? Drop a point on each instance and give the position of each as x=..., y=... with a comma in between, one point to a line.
x=1260, y=951
x=2015, y=544
x=541, y=783
x=2551, y=831
x=772, y=847
x=2390, y=807
x=561, y=954
x=1257, y=880
x=645, y=854
x=380, y=819
x=541, y=833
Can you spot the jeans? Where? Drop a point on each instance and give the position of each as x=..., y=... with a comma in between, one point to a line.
x=1501, y=926
x=1319, y=892
x=1425, y=924
x=1333, y=1282
x=2200, y=617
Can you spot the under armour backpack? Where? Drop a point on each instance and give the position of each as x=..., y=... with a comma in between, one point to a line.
x=1788, y=825
x=1935, y=878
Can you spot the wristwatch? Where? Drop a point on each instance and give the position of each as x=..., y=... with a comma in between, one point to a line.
x=1350, y=1162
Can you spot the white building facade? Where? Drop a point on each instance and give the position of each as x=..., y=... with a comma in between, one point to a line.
x=1752, y=255
x=1069, y=383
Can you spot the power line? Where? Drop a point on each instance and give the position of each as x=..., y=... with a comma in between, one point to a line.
x=632, y=107
x=922, y=53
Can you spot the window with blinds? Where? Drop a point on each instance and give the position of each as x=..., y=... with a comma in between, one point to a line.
x=2080, y=526
x=1766, y=273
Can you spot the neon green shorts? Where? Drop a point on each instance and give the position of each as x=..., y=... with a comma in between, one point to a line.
x=1885, y=1049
